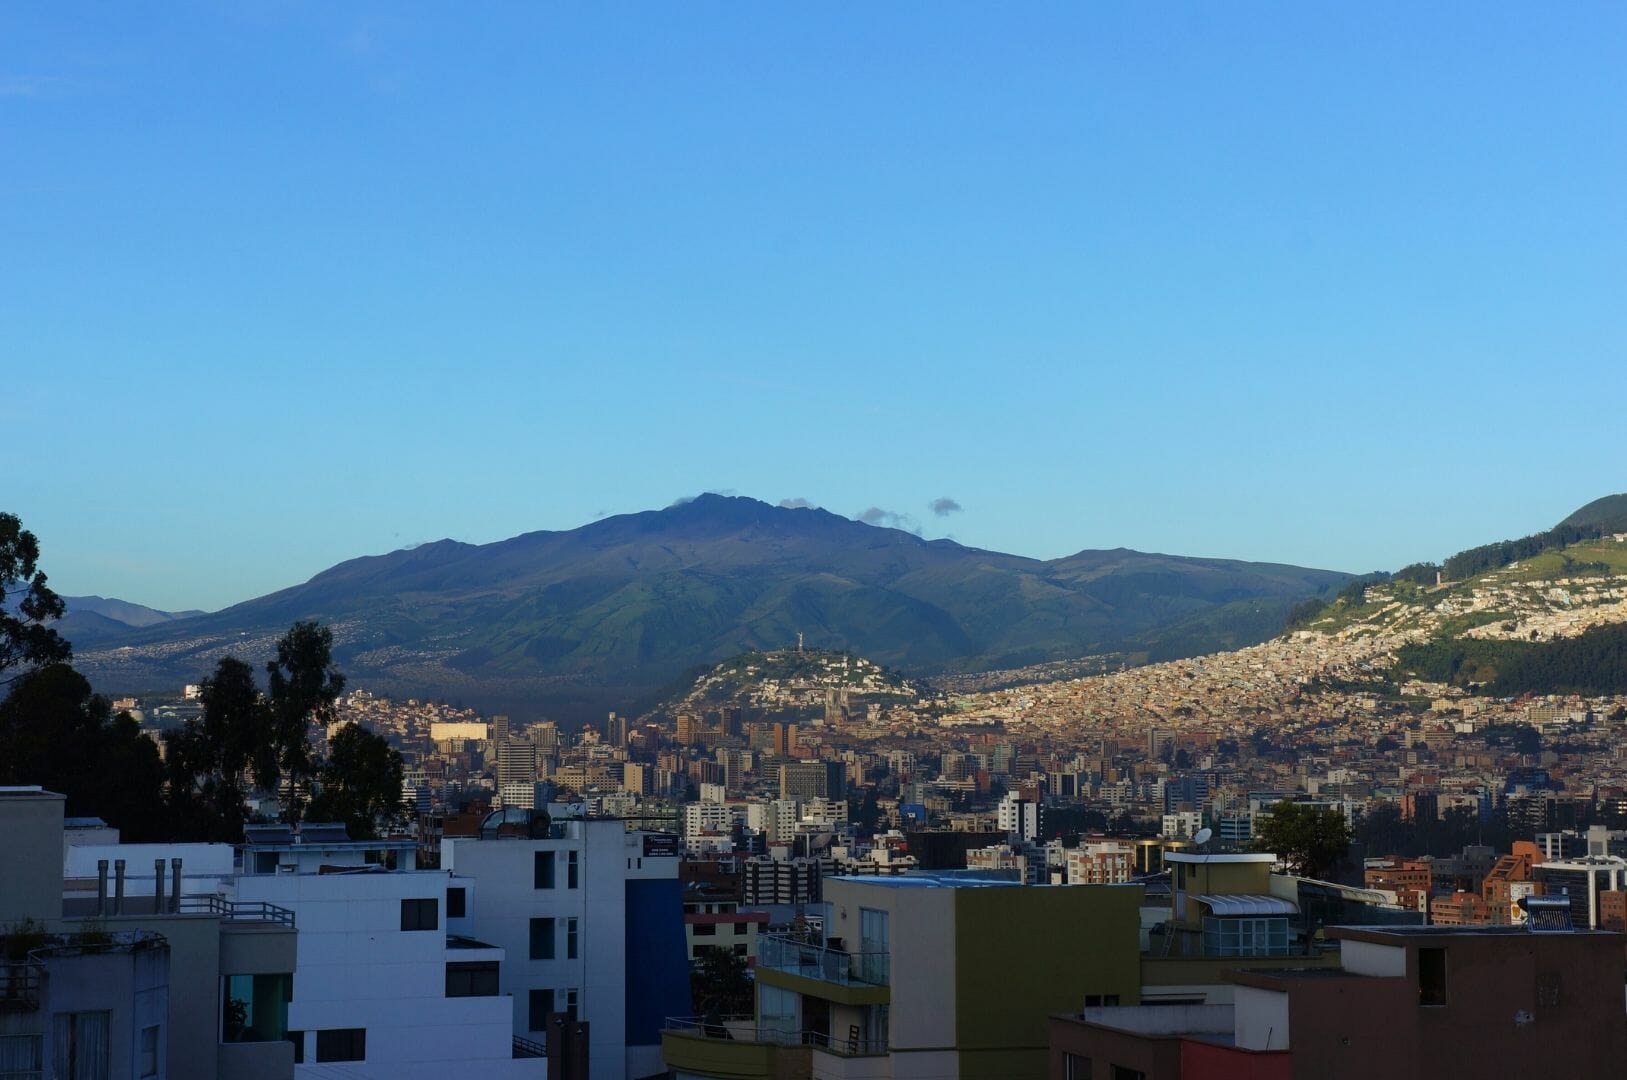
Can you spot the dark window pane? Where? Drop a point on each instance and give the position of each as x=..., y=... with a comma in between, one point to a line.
x=341, y=1044
x=420, y=914
x=542, y=1003
x=1432, y=977
x=542, y=870
x=455, y=901
x=542, y=939
x=475, y=979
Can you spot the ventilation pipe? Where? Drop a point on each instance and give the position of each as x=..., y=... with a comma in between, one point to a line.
x=158, y=886
x=118, y=886
x=101, y=887
x=175, y=884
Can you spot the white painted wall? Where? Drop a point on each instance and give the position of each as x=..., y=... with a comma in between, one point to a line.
x=608, y=856
x=357, y=968
x=1370, y=958
x=1261, y=1018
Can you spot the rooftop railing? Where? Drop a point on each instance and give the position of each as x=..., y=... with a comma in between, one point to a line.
x=745, y=1029
x=237, y=910
x=784, y=952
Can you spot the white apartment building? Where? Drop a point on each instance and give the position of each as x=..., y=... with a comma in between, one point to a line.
x=1182, y=825
x=706, y=821
x=1019, y=817
x=776, y=819
x=381, y=988
x=590, y=921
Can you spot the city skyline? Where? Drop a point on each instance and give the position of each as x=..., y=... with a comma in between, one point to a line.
x=306, y=284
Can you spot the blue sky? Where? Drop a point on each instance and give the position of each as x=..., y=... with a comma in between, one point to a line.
x=286, y=283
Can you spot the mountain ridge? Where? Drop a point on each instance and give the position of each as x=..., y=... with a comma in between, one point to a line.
x=631, y=601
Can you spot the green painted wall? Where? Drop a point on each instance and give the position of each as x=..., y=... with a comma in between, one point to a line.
x=1022, y=954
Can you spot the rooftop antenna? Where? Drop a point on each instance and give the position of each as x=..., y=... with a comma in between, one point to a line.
x=799, y=641
x=1201, y=838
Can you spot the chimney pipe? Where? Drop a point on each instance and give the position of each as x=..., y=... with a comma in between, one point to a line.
x=118, y=886
x=158, y=886
x=175, y=884
x=101, y=887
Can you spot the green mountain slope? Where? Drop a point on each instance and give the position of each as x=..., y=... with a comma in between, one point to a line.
x=1608, y=514
x=632, y=601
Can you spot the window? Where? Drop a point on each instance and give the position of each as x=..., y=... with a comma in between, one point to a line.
x=477, y=979
x=542, y=939
x=570, y=939
x=457, y=901
x=740, y=950
x=1548, y=990
x=542, y=870
x=1432, y=977
x=571, y=881
x=20, y=1057
x=298, y=1039
x=1075, y=1067
x=341, y=1044
x=254, y=1008
x=570, y=1003
x=147, y=1057
x=81, y=1049
x=874, y=948
x=1124, y=1072
x=777, y=1009
x=740, y=927
x=704, y=930
x=1096, y=1001
x=542, y=1003
x=420, y=914
x=1228, y=936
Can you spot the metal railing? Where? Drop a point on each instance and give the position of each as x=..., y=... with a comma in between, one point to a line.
x=21, y=985
x=527, y=1048
x=783, y=952
x=237, y=910
x=745, y=1029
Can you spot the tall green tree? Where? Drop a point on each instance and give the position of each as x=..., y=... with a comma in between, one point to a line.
x=303, y=686
x=212, y=762
x=27, y=606
x=359, y=783
x=55, y=732
x=1310, y=840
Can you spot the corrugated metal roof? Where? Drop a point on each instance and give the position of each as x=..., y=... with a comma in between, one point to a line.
x=1249, y=905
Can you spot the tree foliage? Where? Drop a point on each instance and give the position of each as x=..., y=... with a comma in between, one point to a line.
x=1310, y=840
x=359, y=783
x=1478, y=560
x=1593, y=663
x=212, y=763
x=56, y=733
x=1419, y=573
x=721, y=984
x=303, y=686
x=27, y=605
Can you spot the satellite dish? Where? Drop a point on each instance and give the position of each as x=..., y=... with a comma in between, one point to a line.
x=1202, y=836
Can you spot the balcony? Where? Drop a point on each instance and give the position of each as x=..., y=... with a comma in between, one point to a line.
x=737, y=1048
x=787, y=954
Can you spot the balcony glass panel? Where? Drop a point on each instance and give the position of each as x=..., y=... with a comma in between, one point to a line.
x=254, y=1008
x=816, y=961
